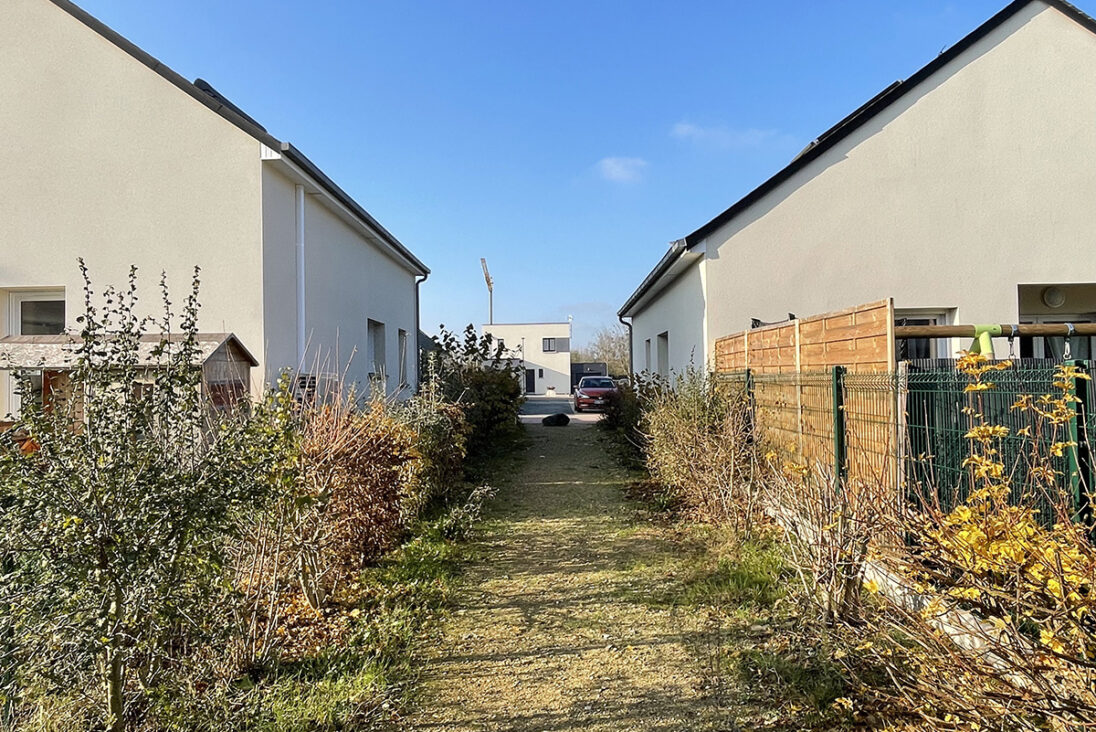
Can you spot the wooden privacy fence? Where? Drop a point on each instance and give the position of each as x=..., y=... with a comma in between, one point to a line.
x=823, y=389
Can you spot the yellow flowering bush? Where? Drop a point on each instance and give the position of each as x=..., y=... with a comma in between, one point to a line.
x=1007, y=635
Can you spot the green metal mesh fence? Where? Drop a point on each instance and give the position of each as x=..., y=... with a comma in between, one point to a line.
x=907, y=429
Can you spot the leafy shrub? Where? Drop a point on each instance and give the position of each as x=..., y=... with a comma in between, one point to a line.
x=624, y=413
x=471, y=372
x=116, y=523
x=442, y=434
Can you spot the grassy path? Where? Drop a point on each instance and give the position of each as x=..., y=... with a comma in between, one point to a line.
x=562, y=626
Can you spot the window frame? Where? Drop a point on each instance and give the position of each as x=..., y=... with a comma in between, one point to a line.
x=16, y=298
x=937, y=316
x=401, y=347
x=548, y=345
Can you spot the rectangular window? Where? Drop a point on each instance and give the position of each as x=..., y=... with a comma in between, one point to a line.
x=910, y=349
x=664, y=353
x=403, y=358
x=376, y=350
x=34, y=312
x=540, y=373
x=647, y=355
x=548, y=345
x=37, y=313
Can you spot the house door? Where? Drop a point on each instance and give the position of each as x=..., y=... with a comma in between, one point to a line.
x=530, y=381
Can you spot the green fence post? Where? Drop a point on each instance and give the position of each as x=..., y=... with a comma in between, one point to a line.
x=750, y=415
x=1080, y=456
x=840, y=464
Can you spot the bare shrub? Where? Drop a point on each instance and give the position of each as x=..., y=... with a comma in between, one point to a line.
x=698, y=444
x=344, y=503
x=830, y=526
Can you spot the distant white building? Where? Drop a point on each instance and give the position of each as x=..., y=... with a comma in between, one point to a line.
x=542, y=350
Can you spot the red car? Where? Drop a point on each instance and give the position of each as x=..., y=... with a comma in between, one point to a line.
x=593, y=392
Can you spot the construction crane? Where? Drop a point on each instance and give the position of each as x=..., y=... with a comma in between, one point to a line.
x=490, y=292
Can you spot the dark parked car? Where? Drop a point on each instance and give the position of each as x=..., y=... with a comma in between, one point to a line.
x=593, y=392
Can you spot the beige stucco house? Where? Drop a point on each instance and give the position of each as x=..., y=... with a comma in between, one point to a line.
x=111, y=156
x=541, y=350
x=966, y=192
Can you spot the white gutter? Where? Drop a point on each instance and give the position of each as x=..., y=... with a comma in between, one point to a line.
x=301, y=334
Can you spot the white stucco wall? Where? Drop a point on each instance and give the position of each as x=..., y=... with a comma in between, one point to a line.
x=524, y=341
x=678, y=312
x=974, y=183
x=348, y=282
x=978, y=180
x=104, y=159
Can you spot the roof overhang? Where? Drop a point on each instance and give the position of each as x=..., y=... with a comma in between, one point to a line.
x=59, y=352
x=678, y=259
x=297, y=167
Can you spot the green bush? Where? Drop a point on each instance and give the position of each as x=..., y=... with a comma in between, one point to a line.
x=120, y=500
x=473, y=373
x=624, y=414
x=442, y=432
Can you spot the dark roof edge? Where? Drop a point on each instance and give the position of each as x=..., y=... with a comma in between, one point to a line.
x=229, y=112
x=883, y=100
x=345, y=199
x=677, y=248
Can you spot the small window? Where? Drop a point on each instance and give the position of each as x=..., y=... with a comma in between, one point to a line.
x=540, y=373
x=663, y=353
x=909, y=349
x=403, y=358
x=376, y=350
x=548, y=345
x=647, y=355
x=38, y=313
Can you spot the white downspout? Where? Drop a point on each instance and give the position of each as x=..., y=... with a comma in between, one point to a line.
x=301, y=334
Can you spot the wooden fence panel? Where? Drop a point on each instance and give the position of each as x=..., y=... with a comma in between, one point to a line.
x=792, y=363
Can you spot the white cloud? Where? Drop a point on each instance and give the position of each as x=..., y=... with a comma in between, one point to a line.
x=622, y=170
x=728, y=138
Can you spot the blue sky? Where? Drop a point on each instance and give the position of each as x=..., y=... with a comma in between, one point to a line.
x=566, y=142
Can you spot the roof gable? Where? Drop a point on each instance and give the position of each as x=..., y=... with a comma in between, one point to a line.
x=204, y=93
x=831, y=138
x=877, y=104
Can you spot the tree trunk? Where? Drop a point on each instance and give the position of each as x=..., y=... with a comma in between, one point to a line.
x=115, y=672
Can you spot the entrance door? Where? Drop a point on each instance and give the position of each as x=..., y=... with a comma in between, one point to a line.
x=530, y=381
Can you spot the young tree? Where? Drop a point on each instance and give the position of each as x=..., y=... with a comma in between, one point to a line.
x=611, y=345
x=118, y=504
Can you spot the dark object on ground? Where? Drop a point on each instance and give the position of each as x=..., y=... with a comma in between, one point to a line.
x=555, y=420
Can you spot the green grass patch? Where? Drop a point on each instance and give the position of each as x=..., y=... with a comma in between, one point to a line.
x=795, y=677
x=753, y=573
